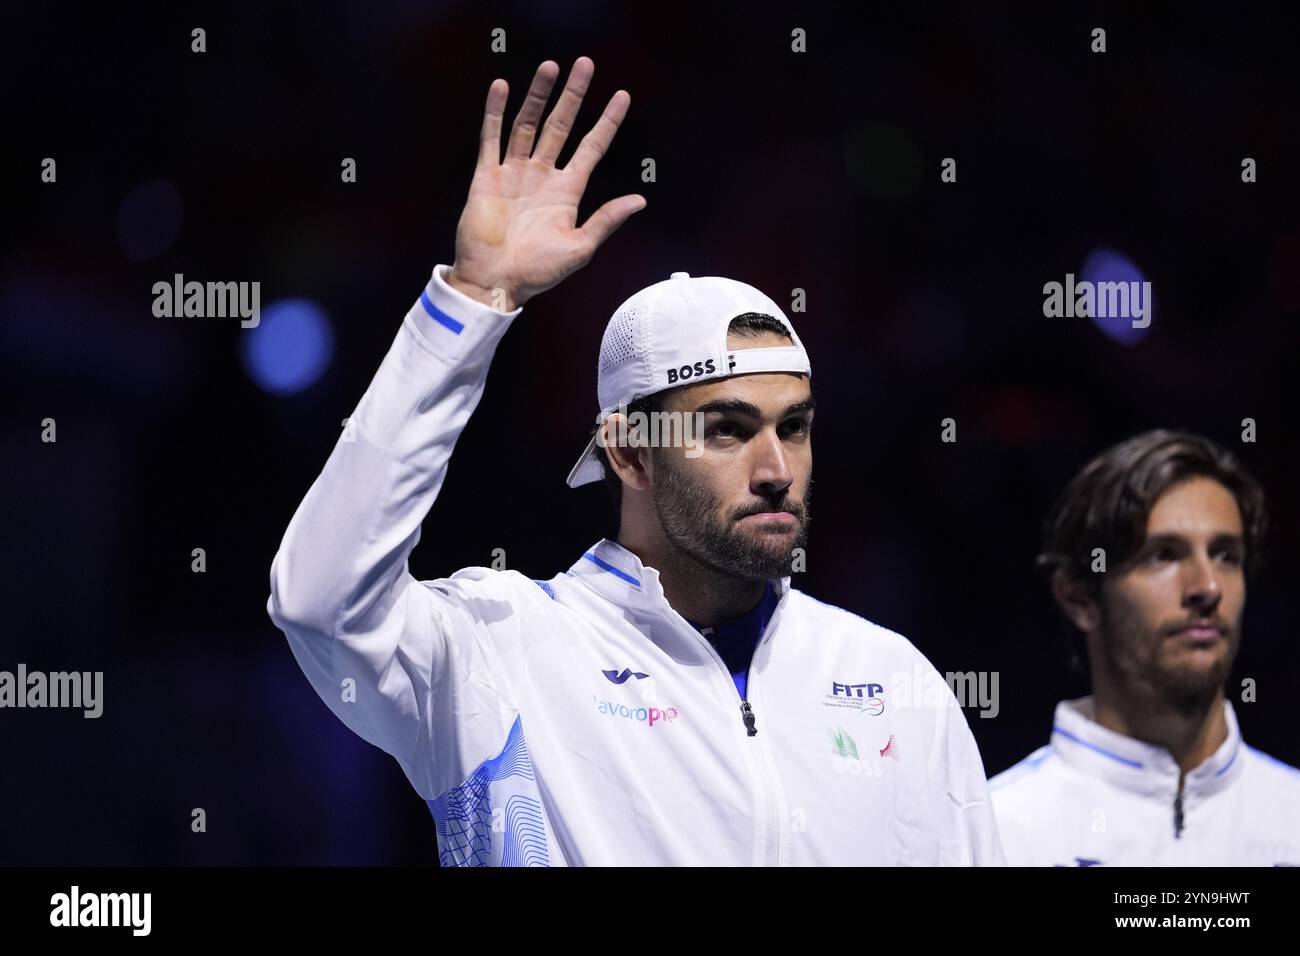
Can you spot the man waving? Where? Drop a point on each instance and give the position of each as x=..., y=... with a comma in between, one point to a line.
x=669, y=699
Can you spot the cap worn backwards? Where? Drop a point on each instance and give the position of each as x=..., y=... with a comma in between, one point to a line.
x=673, y=333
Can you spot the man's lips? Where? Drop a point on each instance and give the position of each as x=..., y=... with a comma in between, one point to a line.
x=776, y=517
x=1200, y=634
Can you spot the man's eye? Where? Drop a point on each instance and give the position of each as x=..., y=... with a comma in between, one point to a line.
x=797, y=426
x=1230, y=556
x=1162, y=554
x=725, y=429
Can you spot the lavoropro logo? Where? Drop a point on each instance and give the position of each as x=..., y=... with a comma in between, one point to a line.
x=866, y=698
x=689, y=370
x=645, y=715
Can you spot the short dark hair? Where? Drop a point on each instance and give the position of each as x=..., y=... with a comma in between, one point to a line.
x=1108, y=503
x=749, y=325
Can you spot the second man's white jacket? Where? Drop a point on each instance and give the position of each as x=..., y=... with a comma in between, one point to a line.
x=580, y=720
x=1094, y=797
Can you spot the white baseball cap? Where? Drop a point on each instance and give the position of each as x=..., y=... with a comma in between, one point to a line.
x=674, y=333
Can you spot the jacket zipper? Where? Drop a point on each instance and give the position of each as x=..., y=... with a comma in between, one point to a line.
x=1178, y=815
x=747, y=711
x=747, y=716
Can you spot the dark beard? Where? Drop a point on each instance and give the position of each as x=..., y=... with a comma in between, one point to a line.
x=1188, y=692
x=688, y=516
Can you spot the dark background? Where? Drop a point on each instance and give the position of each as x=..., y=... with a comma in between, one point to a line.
x=817, y=171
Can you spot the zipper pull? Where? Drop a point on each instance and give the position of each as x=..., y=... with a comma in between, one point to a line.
x=1178, y=815
x=747, y=714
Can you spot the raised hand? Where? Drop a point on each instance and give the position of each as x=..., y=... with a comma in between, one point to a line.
x=518, y=234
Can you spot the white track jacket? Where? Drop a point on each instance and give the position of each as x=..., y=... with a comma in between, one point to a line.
x=580, y=720
x=1093, y=797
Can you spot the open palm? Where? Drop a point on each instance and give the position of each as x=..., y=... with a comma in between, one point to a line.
x=518, y=234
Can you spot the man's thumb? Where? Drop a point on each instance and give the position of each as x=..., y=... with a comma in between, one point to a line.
x=602, y=223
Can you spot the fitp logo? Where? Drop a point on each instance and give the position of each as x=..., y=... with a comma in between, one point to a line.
x=865, y=698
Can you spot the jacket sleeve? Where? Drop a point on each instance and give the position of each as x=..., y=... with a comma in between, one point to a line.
x=375, y=643
x=970, y=835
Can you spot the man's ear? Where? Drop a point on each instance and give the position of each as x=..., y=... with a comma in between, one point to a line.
x=1075, y=601
x=628, y=461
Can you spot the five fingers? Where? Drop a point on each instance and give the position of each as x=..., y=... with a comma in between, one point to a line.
x=605, y=220
x=558, y=125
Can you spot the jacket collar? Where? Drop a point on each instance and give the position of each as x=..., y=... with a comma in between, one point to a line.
x=618, y=575
x=1138, y=766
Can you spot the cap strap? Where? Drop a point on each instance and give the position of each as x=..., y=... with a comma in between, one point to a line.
x=782, y=358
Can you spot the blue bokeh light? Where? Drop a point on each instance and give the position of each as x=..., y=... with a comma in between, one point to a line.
x=1107, y=265
x=290, y=347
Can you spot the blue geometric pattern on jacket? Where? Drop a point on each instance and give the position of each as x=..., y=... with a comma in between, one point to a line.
x=463, y=814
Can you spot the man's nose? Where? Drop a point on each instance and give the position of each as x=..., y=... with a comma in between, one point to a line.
x=1201, y=590
x=772, y=471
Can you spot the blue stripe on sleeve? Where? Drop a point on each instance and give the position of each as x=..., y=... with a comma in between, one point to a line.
x=438, y=315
